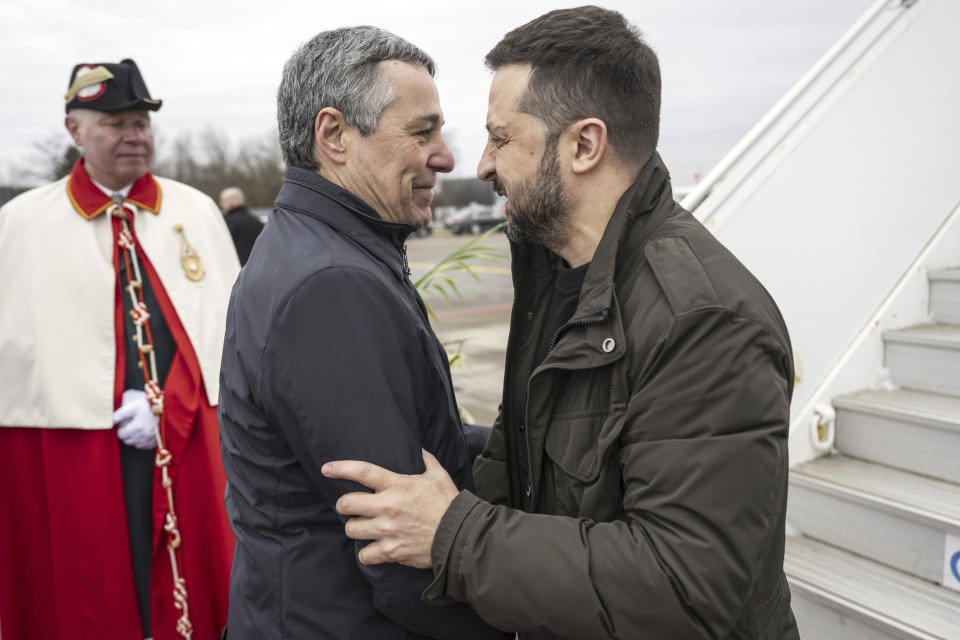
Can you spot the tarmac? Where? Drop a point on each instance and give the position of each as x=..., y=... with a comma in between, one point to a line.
x=479, y=317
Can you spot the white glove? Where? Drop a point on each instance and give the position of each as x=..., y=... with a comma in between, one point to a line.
x=137, y=422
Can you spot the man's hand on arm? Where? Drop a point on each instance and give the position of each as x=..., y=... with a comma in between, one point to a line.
x=403, y=514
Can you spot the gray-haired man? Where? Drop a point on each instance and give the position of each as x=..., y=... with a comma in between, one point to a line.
x=329, y=353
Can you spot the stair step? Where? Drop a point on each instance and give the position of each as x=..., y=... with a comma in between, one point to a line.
x=912, y=430
x=866, y=600
x=927, y=498
x=925, y=357
x=894, y=517
x=945, y=295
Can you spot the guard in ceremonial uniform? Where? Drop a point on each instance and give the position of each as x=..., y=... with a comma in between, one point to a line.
x=113, y=292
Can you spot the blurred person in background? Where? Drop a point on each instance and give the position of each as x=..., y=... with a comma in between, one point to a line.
x=115, y=287
x=244, y=226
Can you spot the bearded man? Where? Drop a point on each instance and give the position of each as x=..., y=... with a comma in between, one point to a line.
x=114, y=291
x=635, y=481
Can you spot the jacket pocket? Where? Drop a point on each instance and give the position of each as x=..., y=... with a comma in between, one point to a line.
x=580, y=465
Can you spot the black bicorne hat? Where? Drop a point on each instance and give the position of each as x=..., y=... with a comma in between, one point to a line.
x=108, y=86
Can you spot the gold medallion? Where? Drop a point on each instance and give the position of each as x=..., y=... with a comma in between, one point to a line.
x=189, y=260
x=193, y=267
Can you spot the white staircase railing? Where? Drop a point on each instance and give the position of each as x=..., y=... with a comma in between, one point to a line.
x=836, y=195
x=814, y=76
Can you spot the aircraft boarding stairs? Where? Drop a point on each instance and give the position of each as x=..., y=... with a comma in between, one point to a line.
x=879, y=518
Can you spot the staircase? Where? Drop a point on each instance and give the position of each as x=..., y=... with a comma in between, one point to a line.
x=879, y=552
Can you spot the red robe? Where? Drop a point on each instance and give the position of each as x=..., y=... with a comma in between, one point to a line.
x=65, y=566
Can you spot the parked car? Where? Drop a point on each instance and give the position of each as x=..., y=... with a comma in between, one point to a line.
x=474, y=219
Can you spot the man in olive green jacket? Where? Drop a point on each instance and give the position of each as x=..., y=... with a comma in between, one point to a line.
x=634, y=485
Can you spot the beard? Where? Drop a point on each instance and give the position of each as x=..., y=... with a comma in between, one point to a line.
x=539, y=207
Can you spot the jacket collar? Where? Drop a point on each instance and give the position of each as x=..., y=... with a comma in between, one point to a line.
x=651, y=187
x=90, y=201
x=311, y=194
x=629, y=218
x=640, y=209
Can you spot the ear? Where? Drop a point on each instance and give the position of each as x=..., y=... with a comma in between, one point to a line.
x=72, y=123
x=329, y=129
x=590, y=137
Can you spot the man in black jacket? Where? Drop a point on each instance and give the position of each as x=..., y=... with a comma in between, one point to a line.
x=244, y=226
x=329, y=352
x=635, y=482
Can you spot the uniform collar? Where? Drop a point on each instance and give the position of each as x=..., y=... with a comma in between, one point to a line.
x=90, y=201
x=124, y=192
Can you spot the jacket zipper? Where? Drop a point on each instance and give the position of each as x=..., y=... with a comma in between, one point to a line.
x=595, y=318
x=439, y=352
x=406, y=265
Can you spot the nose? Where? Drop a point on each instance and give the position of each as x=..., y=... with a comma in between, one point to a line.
x=132, y=135
x=442, y=159
x=486, y=168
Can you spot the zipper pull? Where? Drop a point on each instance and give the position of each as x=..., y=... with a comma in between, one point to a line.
x=600, y=316
x=406, y=265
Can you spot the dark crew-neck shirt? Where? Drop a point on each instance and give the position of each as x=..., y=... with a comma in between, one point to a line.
x=563, y=302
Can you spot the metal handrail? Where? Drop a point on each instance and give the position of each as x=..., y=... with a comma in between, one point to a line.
x=705, y=186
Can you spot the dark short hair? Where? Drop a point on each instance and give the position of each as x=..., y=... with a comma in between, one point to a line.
x=588, y=62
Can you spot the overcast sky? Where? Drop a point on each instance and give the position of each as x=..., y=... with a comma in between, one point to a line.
x=217, y=64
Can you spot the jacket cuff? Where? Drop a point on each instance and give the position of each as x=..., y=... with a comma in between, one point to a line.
x=445, y=561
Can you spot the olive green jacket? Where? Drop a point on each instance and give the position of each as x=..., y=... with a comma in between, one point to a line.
x=635, y=482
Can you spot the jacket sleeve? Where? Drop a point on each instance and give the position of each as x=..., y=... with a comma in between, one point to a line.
x=341, y=371
x=703, y=463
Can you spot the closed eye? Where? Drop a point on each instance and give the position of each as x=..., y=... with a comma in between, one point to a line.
x=498, y=141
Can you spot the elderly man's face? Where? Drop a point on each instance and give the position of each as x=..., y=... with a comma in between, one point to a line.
x=522, y=163
x=394, y=169
x=117, y=147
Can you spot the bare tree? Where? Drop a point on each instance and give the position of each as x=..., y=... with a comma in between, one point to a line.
x=208, y=161
x=52, y=158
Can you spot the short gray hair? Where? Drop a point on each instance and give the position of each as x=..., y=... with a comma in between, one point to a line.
x=338, y=69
